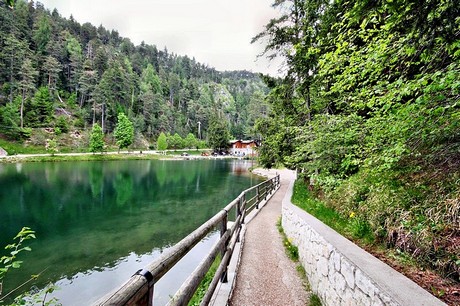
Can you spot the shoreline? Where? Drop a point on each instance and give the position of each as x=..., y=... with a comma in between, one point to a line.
x=106, y=156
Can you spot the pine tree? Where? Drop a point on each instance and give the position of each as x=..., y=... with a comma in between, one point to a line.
x=52, y=68
x=27, y=84
x=42, y=34
x=87, y=83
x=12, y=54
x=218, y=134
x=96, y=143
x=40, y=111
x=124, y=132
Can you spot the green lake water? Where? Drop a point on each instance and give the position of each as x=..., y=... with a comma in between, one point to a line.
x=97, y=223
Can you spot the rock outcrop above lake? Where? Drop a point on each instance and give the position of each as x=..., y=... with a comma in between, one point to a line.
x=3, y=152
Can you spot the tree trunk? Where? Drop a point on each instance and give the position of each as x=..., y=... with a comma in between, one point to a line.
x=94, y=113
x=22, y=108
x=11, y=79
x=308, y=103
x=102, y=123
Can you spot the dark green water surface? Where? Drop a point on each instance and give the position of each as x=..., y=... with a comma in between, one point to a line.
x=99, y=222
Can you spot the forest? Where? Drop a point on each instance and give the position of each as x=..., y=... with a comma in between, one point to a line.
x=59, y=77
x=369, y=114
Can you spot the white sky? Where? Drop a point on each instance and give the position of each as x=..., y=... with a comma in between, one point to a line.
x=215, y=32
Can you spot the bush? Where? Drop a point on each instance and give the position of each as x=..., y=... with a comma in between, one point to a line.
x=96, y=139
x=162, y=143
x=62, y=122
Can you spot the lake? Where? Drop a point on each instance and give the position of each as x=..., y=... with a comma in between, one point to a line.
x=97, y=223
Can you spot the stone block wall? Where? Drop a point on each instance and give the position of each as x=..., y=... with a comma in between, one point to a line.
x=340, y=272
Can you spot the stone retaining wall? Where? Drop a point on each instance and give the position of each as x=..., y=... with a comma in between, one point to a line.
x=340, y=272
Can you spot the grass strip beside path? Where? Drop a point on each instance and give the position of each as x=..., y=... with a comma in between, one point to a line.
x=350, y=226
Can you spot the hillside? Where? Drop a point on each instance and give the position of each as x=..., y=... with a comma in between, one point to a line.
x=58, y=73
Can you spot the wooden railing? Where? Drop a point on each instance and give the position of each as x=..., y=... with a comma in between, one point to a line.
x=138, y=290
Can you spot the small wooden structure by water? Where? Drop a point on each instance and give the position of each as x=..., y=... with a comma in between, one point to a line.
x=138, y=290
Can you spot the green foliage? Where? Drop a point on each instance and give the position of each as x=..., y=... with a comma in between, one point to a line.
x=10, y=120
x=10, y=3
x=92, y=74
x=293, y=253
x=124, y=132
x=52, y=146
x=333, y=145
x=72, y=100
x=162, y=143
x=368, y=112
x=201, y=144
x=12, y=147
x=160, y=91
x=40, y=111
x=96, y=142
x=37, y=298
x=218, y=134
x=62, y=122
x=315, y=300
x=190, y=141
x=203, y=287
x=352, y=225
x=91, y=157
x=291, y=250
x=175, y=141
x=10, y=261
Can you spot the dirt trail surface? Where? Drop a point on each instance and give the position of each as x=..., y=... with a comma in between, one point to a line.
x=266, y=275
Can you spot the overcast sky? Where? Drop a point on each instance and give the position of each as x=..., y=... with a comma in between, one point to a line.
x=215, y=32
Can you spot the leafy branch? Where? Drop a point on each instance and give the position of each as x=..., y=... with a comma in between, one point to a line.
x=10, y=261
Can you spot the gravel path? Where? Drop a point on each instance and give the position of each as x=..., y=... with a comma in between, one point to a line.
x=266, y=275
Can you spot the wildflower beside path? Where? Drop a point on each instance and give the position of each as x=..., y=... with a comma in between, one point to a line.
x=266, y=275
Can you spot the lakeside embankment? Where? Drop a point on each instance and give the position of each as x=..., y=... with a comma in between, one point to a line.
x=115, y=155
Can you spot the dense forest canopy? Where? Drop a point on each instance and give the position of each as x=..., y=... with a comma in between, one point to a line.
x=56, y=72
x=369, y=112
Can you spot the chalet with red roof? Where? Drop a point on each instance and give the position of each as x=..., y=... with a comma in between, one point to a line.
x=243, y=147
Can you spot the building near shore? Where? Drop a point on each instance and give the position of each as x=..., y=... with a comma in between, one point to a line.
x=243, y=147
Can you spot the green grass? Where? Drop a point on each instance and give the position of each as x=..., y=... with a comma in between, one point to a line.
x=293, y=253
x=350, y=226
x=88, y=157
x=291, y=250
x=13, y=148
x=314, y=300
x=203, y=287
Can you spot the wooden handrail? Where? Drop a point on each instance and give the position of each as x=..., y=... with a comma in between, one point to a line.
x=138, y=290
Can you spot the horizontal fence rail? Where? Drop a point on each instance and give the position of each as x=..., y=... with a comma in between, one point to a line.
x=138, y=290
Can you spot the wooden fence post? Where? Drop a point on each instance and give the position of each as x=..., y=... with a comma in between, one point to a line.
x=257, y=198
x=223, y=229
x=265, y=190
x=151, y=292
x=242, y=209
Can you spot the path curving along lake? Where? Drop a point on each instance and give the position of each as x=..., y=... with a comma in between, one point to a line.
x=99, y=222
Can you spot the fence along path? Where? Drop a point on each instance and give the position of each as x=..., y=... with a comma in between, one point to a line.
x=138, y=290
x=266, y=276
